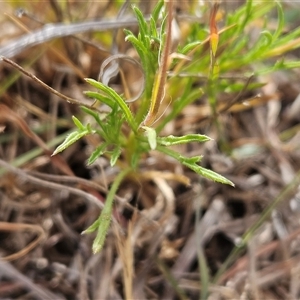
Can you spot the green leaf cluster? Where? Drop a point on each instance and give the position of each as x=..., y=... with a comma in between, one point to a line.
x=240, y=52
x=124, y=141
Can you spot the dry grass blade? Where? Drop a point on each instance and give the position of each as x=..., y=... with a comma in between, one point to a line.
x=6, y=114
x=44, y=85
x=19, y=227
x=110, y=68
x=51, y=185
x=242, y=263
x=60, y=30
x=125, y=250
x=8, y=269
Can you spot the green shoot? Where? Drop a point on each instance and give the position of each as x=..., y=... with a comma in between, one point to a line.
x=127, y=135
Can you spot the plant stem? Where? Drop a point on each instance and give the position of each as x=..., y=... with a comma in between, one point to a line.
x=104, y=220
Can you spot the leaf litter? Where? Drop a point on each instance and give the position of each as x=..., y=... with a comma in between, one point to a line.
x=249, y=235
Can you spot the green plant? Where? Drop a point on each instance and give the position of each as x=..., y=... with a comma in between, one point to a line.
x=134, y=135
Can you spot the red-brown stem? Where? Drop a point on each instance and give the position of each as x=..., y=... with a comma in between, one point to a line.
x=161, y=76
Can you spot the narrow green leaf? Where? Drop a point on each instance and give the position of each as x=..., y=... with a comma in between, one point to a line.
x=92, y=227
x=190, y=160
x=91, y=112
x=280, y=65
x=143, y=27
x=209, y=174
x=157, y=10
x=127, y=32
x=240, y=44
x=153, y=30
x=141, y=49
x=78, y=124
x=115, y=155
x=151, y=136
x=176, y=140
x=98, y=118
x=291, y=64
x=122, y=104
x=280, y=25
x=264, y=40
x=71, y=139
x=103, y=222
x=268, y=38
x=96, y=115
x=97, y=153
x=287, y=38
x=187, y=48
x=247, y=14
x=94, y=95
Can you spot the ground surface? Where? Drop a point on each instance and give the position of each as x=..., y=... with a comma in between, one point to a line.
x=163, y=228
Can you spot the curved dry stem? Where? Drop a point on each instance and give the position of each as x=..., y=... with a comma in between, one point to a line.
x=51, y=185
x=107, y=73
x=12, y=227
x=44, y=85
